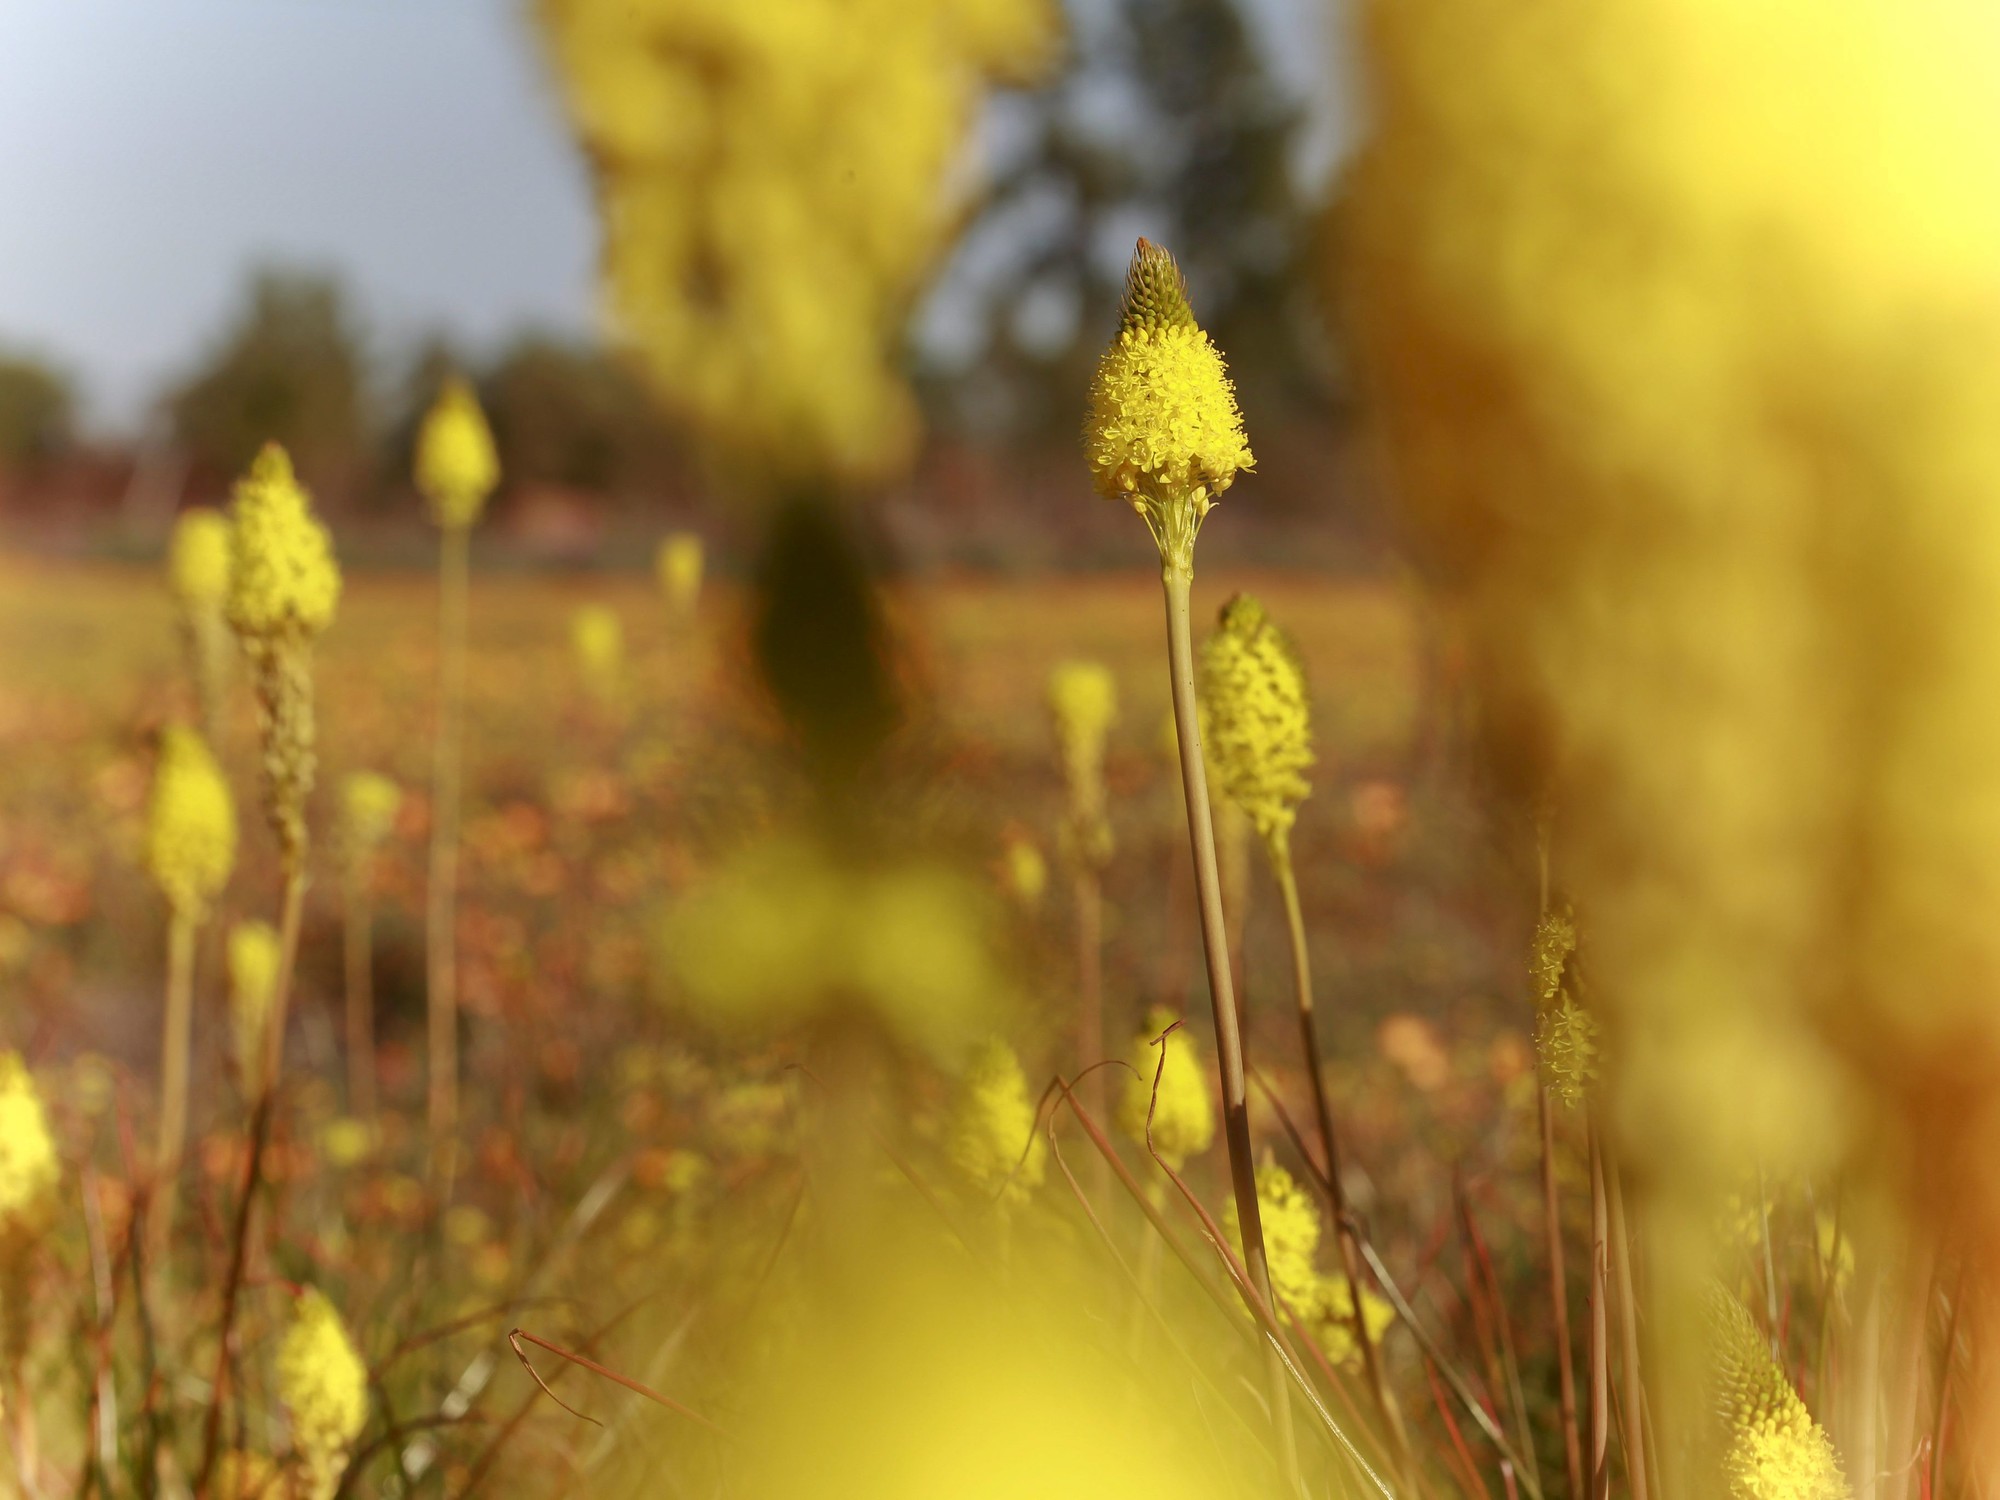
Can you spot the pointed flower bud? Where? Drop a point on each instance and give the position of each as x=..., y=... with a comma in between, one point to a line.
x=1773, y=1450
x=283, y=579
x=190, y=825
x=1163, y=430
x=457, y=466
x=1259, y=724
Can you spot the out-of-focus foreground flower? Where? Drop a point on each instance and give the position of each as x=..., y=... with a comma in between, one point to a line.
x=1686, y=322
x=773, y=181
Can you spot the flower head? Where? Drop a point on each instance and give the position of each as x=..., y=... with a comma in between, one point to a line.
x=1183, y=1109
x=1163, y=430
x=198, y=559
x=1566, y=1038
x=456, y=465
x=992, y=1137
x=1773, y=1448
x=324, y=1387
x=283, y=579
x=369, y=802
x=190, y=825
x=1259, y=726
x=1332, y=1317
x=1083, y=702
x=599, y=642
x=1555, y=941
x=28, y=1166
x=679, y=563
x=254, y=956
x=1291, y=1236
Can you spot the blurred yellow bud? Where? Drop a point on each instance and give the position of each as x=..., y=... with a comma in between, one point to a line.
x=1163, y=431
x=29, y=1169
x=1184, y=1111
x=1024, y=871
x=324, y=1388
x=190, y=825
x=1258, y=729
x=198, y=559
x=992, y=1137
x=254, y=956
x=599, y=642
x=369, y=802
x=283, y=579
x=1083, y=703
x=680, y=563
x=456, y=466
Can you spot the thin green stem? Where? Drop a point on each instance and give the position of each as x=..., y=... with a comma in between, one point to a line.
x=1090, y=984
x=1559, y=1299
x=1280, y=849
x=441, y=916
x=359, y=967
x=1600, y=1333
x=174, y=1039
x=1221, y=992
x=1628, y=1337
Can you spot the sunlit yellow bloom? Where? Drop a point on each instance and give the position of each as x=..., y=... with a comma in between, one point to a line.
x=1773, y=1448
x=369, y=802
x=1332, y=1318
x=1291, y=1237
x=1259, y=726
x=282, y=579
x=992, y=1137
x=254, y=956
x=324, y=1387
x=680, y=563
x=1184, y=1109
x=599, y=642
x=29, y=1169
x=198, y=558
x=190, y=825
x=1025, y=871
x=1163, y=431
x=457, y=466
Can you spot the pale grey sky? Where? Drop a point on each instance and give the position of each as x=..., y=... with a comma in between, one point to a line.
x=150, y=150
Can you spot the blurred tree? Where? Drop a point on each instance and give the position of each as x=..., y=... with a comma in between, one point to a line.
x=37, y=407
x=288, y=367
x=1167, y=122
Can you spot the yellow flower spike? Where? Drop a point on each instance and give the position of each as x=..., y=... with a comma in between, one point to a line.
x=1773, y=1450
x=1083, y=702
x=1259, y=723
x=992, y=1130
x=680, y=563
x=1184, y=1113
x=369, y=802
x=190, y=825
x=253, y=957
x=283, y=580
x=1555, y=941
x=456, y=465
x=1291, y=1236
x=1566, y=1039
x=324, y=1387
x=198, y=559
x=1163, y=430
x=29, y=1169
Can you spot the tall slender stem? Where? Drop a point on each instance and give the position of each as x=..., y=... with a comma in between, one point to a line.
x=1559, y=1299
x=359, y=916
x=281, y=990
x=1628, y=1338
x=174, y=1039
x=441, y=918
x=1600, y=1336
x=1090, y=985
x=1280, y=847
x=1221, y=993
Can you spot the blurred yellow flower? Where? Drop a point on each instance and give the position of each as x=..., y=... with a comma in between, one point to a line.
x=190, y=825
x=324, y=1387
x=369, y=803
x=254, y=956
x=1025, y=872
x=992, y=1137
x=282, y=578
x=599, y=642
x=198, y=558
x=1258, y=729
x=1332, y=1318
x=774, y=181
x=1163, y=431
x=1184, y=1113
x=1291, y=1237
x=29, y=1169
x=456, y=465
x=679, y=563
x=1083, y=703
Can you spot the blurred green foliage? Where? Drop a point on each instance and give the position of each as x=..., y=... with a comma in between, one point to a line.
x=37, y=408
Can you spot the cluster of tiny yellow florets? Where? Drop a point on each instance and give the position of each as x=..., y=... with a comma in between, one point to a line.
x=1548, y=955
x=1163, y=430
x=28, y=1166
x=1083, y=703
x=369, y=802
x=992, y=1137
x=1325, y=1304
x=190, y=825
x=1773, y=1450
x=1566, y=1033
x=1259, y=724
x=457, y=467
x=324, y=1387
x=1183, y=1110
x=198, y=559
x=282, y=579
x=773, y=181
